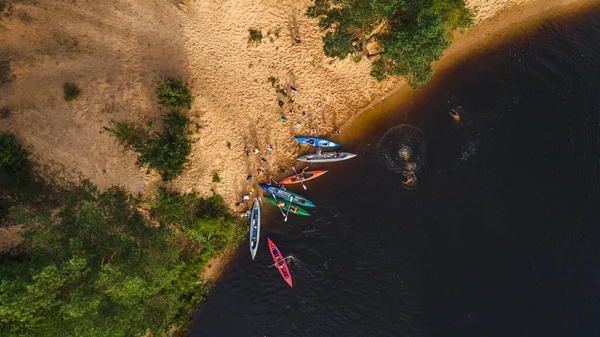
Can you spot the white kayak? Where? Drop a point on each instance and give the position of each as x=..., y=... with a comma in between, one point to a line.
x=254, y=228
x=326, y=157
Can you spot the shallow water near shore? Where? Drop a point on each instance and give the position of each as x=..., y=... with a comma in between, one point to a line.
x=501, y=237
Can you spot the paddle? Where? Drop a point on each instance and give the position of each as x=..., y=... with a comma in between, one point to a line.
x=287, y=258
x=278, y=205
x=293, y=168
x=288, y=210
x=267, y=173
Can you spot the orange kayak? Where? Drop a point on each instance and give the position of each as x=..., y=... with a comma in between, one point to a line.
x=297, y=178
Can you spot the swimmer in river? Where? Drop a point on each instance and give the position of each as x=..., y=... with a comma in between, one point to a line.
x=454, y=114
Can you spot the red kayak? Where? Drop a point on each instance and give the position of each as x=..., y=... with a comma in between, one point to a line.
x=296, y=178
x=280, y=262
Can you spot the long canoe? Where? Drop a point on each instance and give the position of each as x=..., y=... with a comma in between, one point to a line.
x=280, y=263
x=319, y=142
x=293, y=209
x=297, y=178
x=326, y=157
x=254, y=228
x=286, y=195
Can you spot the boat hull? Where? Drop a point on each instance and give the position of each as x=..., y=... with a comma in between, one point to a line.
x=280, y=263
x=300, y=210
x=310, y=175
x=326, y=157
x=286, y=195
x=318, y=142
x=254, y=228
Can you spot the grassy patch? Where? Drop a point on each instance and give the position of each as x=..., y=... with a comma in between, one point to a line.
x=272, y=80
x=71, y=91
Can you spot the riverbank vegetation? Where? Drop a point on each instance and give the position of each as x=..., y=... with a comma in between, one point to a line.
x=403, y=37
x=103, y=263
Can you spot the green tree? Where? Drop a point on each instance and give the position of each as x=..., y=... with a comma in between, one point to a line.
x=97, y=268
x=406, y=35
x=174, y=92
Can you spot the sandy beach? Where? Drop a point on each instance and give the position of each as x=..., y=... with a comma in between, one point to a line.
x=114, y=50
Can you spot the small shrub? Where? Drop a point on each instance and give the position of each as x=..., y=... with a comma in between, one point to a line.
x=126, y=133
x=5, y=73
x=174, y=92
x=280, y=102
x=13, y=157
x=71, y=91
x=229, y=145
x=5, y=112
x=282, y=91
x=272, y=80
x=216, y=178
x=276, y=33
x=357, y=58
x=255, y=36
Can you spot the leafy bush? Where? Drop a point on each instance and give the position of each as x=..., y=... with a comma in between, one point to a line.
x=255, y=36
x=127, y=134
x=410, y=34
x=167, y=152
x=272, y=80
x=13, y=157
x=5, y=112
x=174, y=92
x=71, y=91
x=216, y=178
x=5, y=73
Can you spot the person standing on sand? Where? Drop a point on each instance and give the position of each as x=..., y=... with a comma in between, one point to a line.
x=319, y=151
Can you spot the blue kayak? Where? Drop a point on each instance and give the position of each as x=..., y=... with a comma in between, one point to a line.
x=320, y=142
x=286, y=195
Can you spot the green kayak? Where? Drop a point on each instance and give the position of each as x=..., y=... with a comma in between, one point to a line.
x=295, y=209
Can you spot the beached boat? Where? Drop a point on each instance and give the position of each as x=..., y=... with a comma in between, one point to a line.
x=326, y=157
x=280, y=263
x=254, y=228
x=298, y=178
x=319, y=142
x=286, y=195
x=293, y=209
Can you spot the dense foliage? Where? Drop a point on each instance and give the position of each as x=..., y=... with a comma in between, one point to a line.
x=174, y=92
x=166, y=151
x=407, y=35
x=13, y=157
x=98, y=268
x=71, y=91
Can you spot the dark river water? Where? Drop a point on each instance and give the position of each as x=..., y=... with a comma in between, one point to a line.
x=501, y=237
